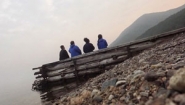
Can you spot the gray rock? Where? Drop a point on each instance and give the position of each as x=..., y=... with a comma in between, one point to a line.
x=144, y=94
x=178, y=65
x=106, y=84
x=111, y=97
x=122, y=98
x=170, y=102
x=151, y=76
x=95, y=92
x=159, y=65
x=169, y=93
x=97, y=98
x=63, y=99
x=179, y=98
x=141, y=60
x=149, y=102
x=177, y=81
x=137, y=74
x=118, y=83
x=170, y=73
x=127, y=99
x=178, y=59
x=131, y=103
x=169, y=66
x=161, y=91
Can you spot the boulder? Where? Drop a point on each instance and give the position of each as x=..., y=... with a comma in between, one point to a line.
x=177, y=81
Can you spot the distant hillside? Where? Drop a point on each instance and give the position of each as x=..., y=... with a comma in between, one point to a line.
x=173, y=22
x=142, y=24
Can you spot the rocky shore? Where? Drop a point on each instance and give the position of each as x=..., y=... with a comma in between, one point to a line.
x=154, y=77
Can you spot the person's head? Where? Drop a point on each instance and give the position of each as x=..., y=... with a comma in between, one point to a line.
x=62, y=47
x=99, y=36
x=72, y=42
x=86, y=40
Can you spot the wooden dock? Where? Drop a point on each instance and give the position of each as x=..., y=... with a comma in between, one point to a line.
x=78, y=69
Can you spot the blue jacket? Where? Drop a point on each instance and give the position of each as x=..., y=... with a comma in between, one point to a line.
x=102, y=43
x=74, y=50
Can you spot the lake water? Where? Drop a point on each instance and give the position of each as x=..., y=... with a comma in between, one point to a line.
x=16, y=89
x=19, y=95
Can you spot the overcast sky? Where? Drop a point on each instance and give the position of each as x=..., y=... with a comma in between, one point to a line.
x=31, y=31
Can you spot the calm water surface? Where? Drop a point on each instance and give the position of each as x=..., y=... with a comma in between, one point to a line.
x=16, y=90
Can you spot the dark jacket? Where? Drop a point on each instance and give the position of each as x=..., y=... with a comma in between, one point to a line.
x=102, y=43
x=74, y=50
x=63, y=55
x=88, y=47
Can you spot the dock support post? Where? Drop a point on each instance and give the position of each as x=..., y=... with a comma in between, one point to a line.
x=129, y=52
x=76, y=72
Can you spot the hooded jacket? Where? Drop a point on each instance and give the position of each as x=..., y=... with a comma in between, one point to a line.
x=74, y=50
x=102, y=43
x=88, y=47
x=63, y=55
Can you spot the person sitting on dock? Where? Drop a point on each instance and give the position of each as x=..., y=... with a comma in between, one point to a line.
x=63, y=53
x=74, y=50
x=88, y=47
x=102, y=43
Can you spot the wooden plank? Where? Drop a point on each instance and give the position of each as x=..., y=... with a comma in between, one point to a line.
x=81, y=74
x=36, y=68
x=88, y=60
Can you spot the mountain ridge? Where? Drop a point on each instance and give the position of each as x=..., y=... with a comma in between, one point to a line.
x=175, y=21
x=142, y=24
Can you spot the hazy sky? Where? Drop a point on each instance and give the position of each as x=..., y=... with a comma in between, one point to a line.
x=31, y=31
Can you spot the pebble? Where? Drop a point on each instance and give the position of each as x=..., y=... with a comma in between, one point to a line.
x=111, y=97
x=120, y=82
x=95, y=92
x=179, y=98
x=144, y=94
x=122, y=98
x=97, y=98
